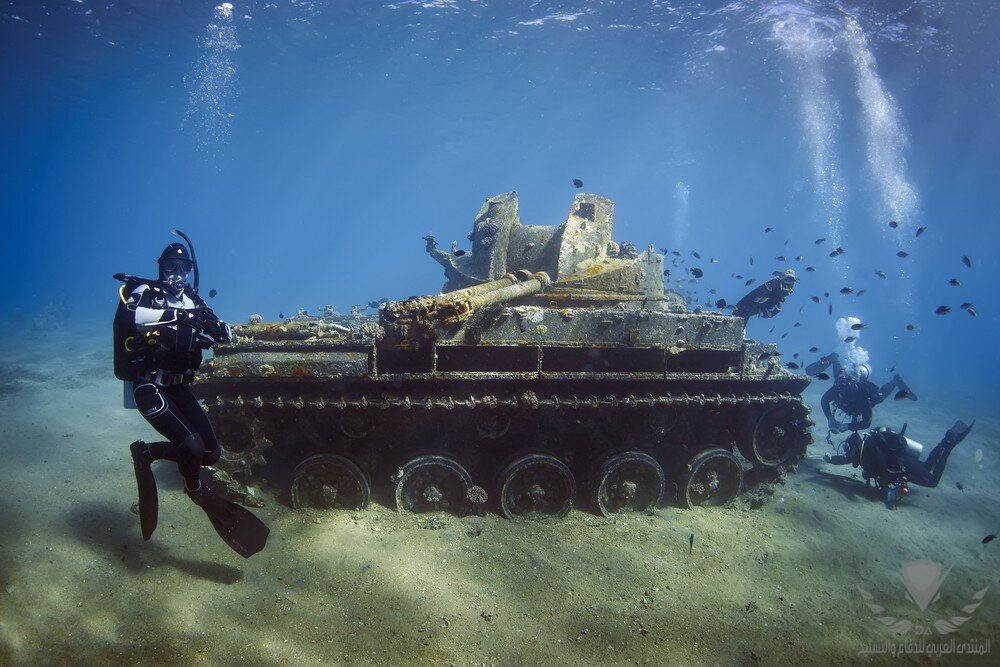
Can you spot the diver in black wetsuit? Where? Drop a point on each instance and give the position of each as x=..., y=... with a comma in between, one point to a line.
x=892, y=460
x=852, y=395
x=169, y=327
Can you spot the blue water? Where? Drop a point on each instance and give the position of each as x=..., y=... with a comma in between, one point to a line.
x=307, y=146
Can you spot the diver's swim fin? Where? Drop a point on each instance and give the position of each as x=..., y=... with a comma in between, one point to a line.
x=905, y=388
x=958, y=431
x=235, y=524
x=148, y=505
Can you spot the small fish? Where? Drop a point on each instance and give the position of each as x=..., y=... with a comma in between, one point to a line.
x=281, y=316
x=784, y=334
x=829, y=308
x=711, y=291
x=797, y=324
x=818, y=241
x=814, y=349
x=921, y=230
x=675, y=253
x=212, y=293
x=910, y=327
x=989, y=538
x=798, y=258
x=794, y=366
x=967, y=261
x=768, y=229
x=942, y=310
x=857, y=327
x=846, y=290
x=903, y=254
x=810, y=269
x=880, y=274
x=577, y=183
x=750, y=282
x=826, y=294
x=691, y=543
x=850, y=339
x=960, y=486
x=901, y=394
x=893, y=369
x=967, y=304
x=954, y=282
x=696, y=255
x=815, y=299
x=696, y=272
x=971, y=311
x=721, y=303
x=822, y=376
x=893, y=224
x=780, y=258
x=666, y=272
x=751, y=260
x=713, y=260
x=839, y=250
x=796, y=355
x=764, y=355
x=833, y=253
x=861, y=292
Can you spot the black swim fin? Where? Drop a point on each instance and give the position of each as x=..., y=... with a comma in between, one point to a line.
x=148, y=504
x=905, y=388
x=235, y=524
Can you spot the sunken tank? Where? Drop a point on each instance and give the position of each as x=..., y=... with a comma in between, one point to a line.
x=554, y=371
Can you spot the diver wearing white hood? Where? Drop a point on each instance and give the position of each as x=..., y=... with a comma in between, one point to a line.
x=848, y=403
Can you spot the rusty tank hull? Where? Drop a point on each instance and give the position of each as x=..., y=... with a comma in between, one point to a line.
x=555, y=372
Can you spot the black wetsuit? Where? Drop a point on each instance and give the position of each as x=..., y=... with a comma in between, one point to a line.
x=853, y=397
x=882, y=456
x=173, y=352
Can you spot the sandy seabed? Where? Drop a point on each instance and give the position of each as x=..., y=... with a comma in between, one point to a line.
x=805, y=579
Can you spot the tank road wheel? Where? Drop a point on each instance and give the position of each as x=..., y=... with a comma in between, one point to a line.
x=713, y=478
x=432, y=482
x=628, y=482
x=778, y=435
x=328, y=481
x=536, y=485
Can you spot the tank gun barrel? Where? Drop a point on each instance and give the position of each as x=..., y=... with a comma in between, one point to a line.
x=453, y=307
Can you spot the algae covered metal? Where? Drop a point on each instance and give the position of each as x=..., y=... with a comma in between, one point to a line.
x=554, y=371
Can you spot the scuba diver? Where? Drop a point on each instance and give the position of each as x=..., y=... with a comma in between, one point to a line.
x=848, y=404
x=765, y=300
x=162, y=328
x=892, y=460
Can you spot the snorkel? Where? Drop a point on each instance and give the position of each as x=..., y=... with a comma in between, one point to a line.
x=194, y=262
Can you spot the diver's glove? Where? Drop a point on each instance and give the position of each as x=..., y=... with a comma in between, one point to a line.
x=220, y=332
x=199, y=319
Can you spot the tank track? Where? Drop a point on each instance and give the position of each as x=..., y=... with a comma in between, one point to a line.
x=249, y=422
